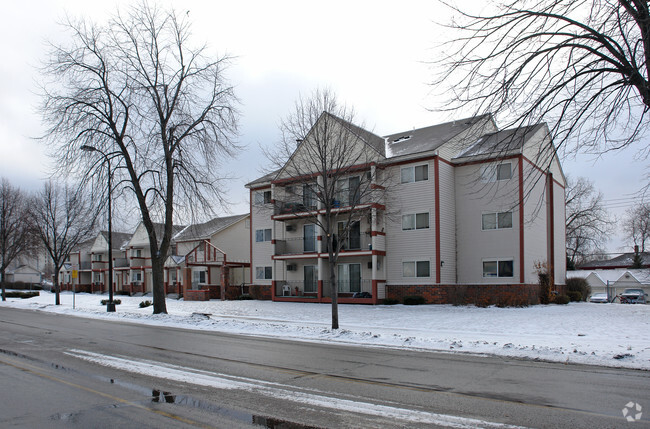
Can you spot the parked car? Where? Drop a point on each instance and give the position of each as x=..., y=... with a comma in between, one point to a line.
x=633, y=296
x=600, y=298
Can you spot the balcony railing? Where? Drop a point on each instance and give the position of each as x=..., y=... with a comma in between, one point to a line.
x=296, y=288
x=296, y=246
x=350, y=288
x=85, y=265
x=293, y=206
x=121, y=263
x=362, y=241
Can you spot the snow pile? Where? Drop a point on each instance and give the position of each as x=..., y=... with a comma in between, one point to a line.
x=596, y=334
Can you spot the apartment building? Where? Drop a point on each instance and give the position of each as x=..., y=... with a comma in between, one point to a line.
x=464, y=213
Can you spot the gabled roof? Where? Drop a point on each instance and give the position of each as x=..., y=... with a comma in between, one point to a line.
x=84, y=245
x=428, y=138
x=204, y=231
x=120, y=239
x=374, y=141
x=264, y=179
x=159, y=228
x=626, y=260
x=614, y=275
x=501, y=143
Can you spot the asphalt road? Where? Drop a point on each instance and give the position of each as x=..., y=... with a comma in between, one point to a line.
x=63, y=371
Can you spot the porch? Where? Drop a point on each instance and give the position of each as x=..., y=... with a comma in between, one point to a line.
x=362, y=291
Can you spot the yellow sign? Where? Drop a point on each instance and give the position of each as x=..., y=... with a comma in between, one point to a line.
x=74, y=274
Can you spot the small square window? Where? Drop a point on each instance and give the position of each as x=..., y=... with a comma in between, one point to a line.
x=504, y=171
x=263, y=273
x=489, y=268
x=262, y=235
x=504, y=220
x=422, y=269
x=408, y=269
x=489, y=221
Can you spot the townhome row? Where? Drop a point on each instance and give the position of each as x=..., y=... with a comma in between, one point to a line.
x=204, y=258
x=463, y=212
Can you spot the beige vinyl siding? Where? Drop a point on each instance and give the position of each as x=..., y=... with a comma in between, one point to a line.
x=234, y=241
x=474, y=245
x=535, y=222
x=447, y=223
x=262, y=252
x=413, y=245
x=560, y=234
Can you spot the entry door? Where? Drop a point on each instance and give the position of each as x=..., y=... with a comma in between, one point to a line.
x=349, y=278
x=311, y=278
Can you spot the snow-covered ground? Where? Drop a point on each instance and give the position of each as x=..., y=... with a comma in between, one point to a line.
x=597, y=334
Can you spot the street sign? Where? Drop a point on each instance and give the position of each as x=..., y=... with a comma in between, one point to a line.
x=74, y=274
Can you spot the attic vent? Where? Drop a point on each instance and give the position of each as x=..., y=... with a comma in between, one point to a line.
x=401, y=139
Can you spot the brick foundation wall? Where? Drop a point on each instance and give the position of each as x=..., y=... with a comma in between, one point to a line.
x=481, y=295
x=260, y=292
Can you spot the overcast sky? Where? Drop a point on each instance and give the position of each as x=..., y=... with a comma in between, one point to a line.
x=377, y=56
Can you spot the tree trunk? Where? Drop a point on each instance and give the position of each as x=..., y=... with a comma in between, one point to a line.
x=2, y=281
x=57, y=288
x=158, y=287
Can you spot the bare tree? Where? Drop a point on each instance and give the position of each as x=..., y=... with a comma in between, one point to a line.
x=63, y=217
x=588, y=224
x=328, y=175
x=581, y=66
x=160, y=109
x=637, y=225
x=15, y=231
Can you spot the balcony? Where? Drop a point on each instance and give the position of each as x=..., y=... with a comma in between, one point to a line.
x=356, y=242
x=296, y=288
x=121, y=263
x=285, y=210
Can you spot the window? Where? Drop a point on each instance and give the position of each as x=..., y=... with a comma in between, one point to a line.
x=349, y=278
x=97, y=258
x=348, y=191
x=416, y=173
x=172, y=275
x=498, y=268
x=309, y=238
x=353, y=239
x=136, y=253
x=136, y=276
x=504, y=171
x=416, y=269
x=491, y=173
x=198, y=277
x=262, y=235
x=97, y=277
x=308, y=197
x=502, y=220
x=263, y=273
x=415, y=221
x=262, y=197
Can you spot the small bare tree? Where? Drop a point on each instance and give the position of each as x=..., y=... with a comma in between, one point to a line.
x=63, y=217
x=588, y=224
x=331, y=164
x=15, y=231
x=579, y=65
x=161, y=110
x=637, y=225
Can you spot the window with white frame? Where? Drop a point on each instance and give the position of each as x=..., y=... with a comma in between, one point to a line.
x=498, y=220
x=415, y=173
x=498, y=268
x=262, y=197
x=416, y=269
x=97, y=277
x=263, y=273
x=97, y=257
x=494, y=172
x=136, y=253
x=415, y=221
x=262, y=235
x=136, y=276
x=199, y=277
x=348, y=191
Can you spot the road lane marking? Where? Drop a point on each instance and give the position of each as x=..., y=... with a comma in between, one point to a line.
x=36, y=371
x=279, y=391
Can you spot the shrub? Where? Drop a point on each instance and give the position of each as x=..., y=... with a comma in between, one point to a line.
x=115, y=301
x=545, y=295
x=245, y=297
x=22, y=295
x=578, y=284
x=574, y=296
x=391, y=301
x=145, y=304
x=414, y=300
x=511, y=299
x=561, y=299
